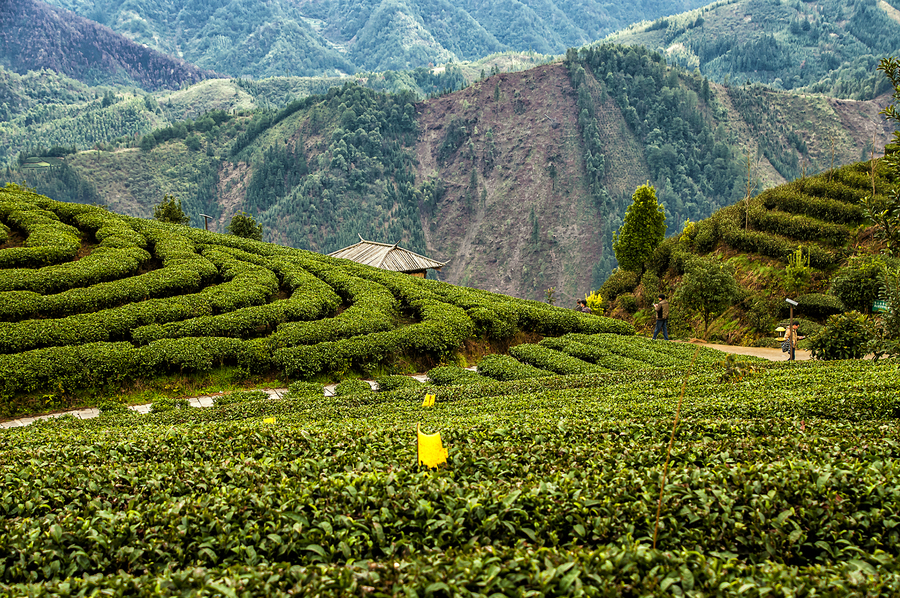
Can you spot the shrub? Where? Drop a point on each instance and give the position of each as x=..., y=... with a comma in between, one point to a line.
x=166, y=404
x=244, y=225
x=504, y=367
x=620, y=281
x=858, y=284
x=628, y=302
x=169, y=210
x=845, y=336
x=299, y=390
x=244, y=396
x=352, y=386
x=555, y=361
x=817, y=305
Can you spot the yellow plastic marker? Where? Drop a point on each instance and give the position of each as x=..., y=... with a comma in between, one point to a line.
x=269, y=420
x=429, y=401
x=430, y=449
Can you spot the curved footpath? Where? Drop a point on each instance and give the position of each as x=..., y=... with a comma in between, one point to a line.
x=276, y=393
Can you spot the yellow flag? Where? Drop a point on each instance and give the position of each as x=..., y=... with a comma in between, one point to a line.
x=429, y=401
x=269, y=420
x=430, y=448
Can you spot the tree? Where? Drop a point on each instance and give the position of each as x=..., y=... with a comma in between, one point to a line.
x=169, y=210
x=642, y=230
x=885, y=214
x=708, y=287
x=243, y=225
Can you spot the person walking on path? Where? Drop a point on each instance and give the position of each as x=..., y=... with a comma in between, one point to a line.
x=662, y=317
x=792, y=336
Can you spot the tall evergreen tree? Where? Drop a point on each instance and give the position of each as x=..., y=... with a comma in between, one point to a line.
x=642, y=230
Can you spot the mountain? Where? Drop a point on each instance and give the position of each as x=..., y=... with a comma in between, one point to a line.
x=518, y=180
x=822, y=46
x=316, y=37
x=38, y=37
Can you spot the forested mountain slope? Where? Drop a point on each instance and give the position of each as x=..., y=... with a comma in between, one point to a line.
x=518, y=180
x=35, y=36
x=281, y=37
x=826, y=46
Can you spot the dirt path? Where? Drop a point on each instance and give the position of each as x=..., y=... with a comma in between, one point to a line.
x=765, y=353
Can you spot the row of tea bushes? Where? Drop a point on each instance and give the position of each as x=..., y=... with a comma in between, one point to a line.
x=247, y=285
x=49, y=241
x=442, y=330
x=372, y=309
x=543, y=357
x=452, y=375
x=506, y=367
x=582, y=348
x=788, y=198
x=798, y=227
x=502, y=571
x=732, y=231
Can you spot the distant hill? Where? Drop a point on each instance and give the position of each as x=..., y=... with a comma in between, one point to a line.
x=282, y=37
x=519, y=179
x=824, y=46
x=35, y=36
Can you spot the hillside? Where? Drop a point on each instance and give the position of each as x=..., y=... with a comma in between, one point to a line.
x=822, y=217
x=493, y=178
x=820, y=46
x=35, y=36
x=93, y=300
x=328, y=37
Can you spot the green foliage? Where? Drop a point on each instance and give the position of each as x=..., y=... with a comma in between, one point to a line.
x=169, y=210
x=619, y=282
x=153, y=299
x=544, y=357
x=817, y=305
x=858, y=283
x=520, y=452
x=244, y=225
x=504, y=367
x=845, y=336
x=642, y=230
x=352, y=386
x=240, y=397
x=628, y=302
x=300, y=390
x=165, y=405
x=797, y=271
x=708, y=287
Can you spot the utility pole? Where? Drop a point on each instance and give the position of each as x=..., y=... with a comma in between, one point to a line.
x=206, y=221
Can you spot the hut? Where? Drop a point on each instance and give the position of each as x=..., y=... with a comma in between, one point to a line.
x=388, y=257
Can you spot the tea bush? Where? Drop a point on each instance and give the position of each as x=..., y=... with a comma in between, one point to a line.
x=504, y=367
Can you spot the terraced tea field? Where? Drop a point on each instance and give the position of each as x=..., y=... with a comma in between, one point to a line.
x=783, y=478
x=94, y=300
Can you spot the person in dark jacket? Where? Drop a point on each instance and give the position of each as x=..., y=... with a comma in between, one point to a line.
x=583, y=306
x=662, y=317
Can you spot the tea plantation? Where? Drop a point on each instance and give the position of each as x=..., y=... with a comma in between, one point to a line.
x=94, y=300
x=784, y=483
x=783, y=478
